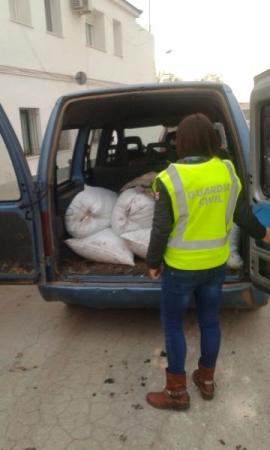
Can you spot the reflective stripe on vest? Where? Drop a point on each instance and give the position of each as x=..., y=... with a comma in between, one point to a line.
x=177, y=241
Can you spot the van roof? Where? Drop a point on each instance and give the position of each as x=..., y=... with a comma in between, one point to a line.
x=121, y=88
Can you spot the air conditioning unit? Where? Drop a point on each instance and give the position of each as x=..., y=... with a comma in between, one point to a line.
x=81, y=6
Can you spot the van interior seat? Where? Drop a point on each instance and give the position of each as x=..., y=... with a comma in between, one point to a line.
x=171, y=138
x=133, y=148
x=161, y=151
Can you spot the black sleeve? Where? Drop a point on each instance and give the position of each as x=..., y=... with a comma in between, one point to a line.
x=162, y=225
x=244, y=218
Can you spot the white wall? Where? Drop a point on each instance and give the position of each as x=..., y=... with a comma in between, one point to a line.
x=36, y=67
x=35, y=48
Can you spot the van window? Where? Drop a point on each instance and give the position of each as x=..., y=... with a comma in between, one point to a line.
x=65, y=154
x=93, y=141
x=147, y=134
x=265, y=150
x=105, y=147
x=9, y=188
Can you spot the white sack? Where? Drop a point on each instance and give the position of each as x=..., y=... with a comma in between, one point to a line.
x=90, y=211
x=235, y=261
x=133, y=211
x=138, y=241
x=104, y=246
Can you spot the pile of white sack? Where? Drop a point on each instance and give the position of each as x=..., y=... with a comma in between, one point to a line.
x=235, y=261
x=110, y=228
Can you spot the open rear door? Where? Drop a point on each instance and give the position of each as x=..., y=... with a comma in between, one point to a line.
x=260, y=175
x=20, y=227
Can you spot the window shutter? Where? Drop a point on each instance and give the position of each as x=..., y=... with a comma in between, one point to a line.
x=20, y=11
x=53, y=16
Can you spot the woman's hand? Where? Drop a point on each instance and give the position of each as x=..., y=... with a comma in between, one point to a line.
x=155, y=273
x=266, y=238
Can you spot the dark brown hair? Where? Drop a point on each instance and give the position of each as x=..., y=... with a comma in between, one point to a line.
x=196, y=136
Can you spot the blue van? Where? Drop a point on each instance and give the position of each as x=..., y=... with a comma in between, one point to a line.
x=115, y=135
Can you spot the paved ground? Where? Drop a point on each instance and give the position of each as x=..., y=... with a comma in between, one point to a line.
x=75, y=379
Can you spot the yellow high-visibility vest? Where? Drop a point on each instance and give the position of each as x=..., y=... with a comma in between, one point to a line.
x=203, y=197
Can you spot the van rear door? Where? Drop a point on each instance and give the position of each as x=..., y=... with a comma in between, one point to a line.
x=20, y=227
x=260, y=176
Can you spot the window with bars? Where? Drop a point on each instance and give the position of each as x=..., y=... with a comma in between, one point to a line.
x=9, y=188
x=30, y=124
x=20, y=11
x=53, y=16
x=117, y=38
x=89, y=30
x=95, y=30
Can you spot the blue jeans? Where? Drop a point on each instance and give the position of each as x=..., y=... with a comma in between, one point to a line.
x=178, y=286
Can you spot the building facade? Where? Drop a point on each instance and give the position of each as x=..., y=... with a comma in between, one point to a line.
x=245, y=107
x=52, y=47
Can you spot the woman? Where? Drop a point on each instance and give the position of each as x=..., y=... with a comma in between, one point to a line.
x=197, y=199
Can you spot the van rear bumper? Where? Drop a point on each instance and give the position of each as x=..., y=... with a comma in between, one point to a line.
x=141, y=295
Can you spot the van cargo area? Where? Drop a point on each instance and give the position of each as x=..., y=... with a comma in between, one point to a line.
x=109, y=150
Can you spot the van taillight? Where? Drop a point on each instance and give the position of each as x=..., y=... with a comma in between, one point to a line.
x=264, y=268
x=47, y=240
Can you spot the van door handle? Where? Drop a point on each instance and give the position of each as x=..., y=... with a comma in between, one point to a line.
x=29, y=215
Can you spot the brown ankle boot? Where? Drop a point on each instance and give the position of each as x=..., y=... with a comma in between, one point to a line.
x=204, y=379
x=174, y=396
